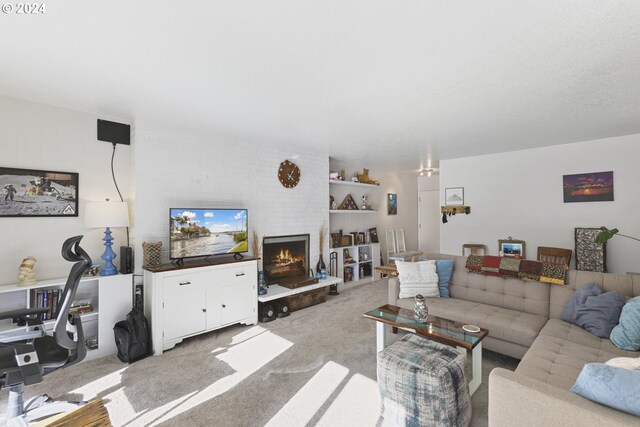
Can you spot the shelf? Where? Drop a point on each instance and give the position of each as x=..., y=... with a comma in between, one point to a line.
x=44, y=284
x=352, y=184
x=277, y=291
x=362, y=262
x=347, y=211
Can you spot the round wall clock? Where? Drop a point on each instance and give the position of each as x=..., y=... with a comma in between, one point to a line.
x=289, y=174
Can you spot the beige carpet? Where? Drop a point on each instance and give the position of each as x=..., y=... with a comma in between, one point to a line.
x=316, y=367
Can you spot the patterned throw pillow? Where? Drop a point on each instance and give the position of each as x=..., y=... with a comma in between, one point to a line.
x=611, y=386
x=418, y=278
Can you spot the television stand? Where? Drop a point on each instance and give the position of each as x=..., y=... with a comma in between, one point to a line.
x=238, y=256
x=178, y=261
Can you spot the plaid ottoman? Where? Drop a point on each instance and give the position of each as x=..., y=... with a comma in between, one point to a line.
x=423, y=383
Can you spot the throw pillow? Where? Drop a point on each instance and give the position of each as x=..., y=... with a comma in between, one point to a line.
x=626, y=335
x=611, y=386
x=444, y=268
x=632, y=363
x=418, y=278
x=600, y=313
x=578, y=299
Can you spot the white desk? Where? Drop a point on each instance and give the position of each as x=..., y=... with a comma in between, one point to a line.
x=277, y=291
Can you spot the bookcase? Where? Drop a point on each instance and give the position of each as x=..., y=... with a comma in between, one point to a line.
x=110, y=298
x=358, y=262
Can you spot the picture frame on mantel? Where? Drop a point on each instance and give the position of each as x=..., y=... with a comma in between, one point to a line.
x=38, y=193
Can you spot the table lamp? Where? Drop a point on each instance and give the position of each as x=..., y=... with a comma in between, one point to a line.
x=107, y=214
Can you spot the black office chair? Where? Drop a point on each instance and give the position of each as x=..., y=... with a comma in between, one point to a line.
x=27, y=353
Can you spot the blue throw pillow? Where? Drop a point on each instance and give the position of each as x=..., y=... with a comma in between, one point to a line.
x=570, y=309
x=444, y=268
x=600, y=313
x=611, y=386
x=626, y=335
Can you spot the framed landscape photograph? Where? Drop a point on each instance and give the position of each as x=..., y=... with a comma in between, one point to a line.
x=454, y=196
x=512, y=248
x=588, y=187
x=33, y=192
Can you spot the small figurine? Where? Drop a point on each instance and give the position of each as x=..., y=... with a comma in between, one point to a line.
x=365, y=203
x=26, y=274
x=364, y=178
x=332, y=203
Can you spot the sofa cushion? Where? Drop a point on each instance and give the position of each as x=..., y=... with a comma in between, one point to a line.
x=418, y=278
x=444, y=268
x=600, y=313
x=611, y=386
x=570, y=311
x=626, y=335
x=503, y=324
x=562, y=349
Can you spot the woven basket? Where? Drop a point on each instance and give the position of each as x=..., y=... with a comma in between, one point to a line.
x=152, y=255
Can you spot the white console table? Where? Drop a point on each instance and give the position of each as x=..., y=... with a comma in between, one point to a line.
x=277, y=291
x=183, y=301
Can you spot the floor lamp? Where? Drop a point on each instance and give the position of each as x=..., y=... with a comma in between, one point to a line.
x=107, y=214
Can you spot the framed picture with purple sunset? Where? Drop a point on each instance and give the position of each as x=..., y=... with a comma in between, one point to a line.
x=588, y=187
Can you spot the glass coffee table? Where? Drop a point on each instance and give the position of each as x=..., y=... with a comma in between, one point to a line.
x=437, y=329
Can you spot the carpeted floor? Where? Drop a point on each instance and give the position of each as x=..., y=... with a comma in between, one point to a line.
x=316, y=367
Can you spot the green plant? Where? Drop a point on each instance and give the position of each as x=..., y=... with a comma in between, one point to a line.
x=607, y=234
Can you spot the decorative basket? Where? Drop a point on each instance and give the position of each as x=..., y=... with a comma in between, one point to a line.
x=152, y=255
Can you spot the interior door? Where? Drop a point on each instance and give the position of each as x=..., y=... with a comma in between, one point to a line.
x=429, y=221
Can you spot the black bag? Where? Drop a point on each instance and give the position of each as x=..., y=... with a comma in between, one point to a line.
x=132, y=337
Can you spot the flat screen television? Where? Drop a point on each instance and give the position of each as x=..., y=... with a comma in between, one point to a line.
x=206, y=232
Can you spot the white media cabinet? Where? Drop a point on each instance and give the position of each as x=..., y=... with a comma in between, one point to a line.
x=110, y=296
x=183, y=301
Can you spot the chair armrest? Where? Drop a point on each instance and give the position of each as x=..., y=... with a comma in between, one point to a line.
x=393, y=290
x=23, y=314
x=515, y=399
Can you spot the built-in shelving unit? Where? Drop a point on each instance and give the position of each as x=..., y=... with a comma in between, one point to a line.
x=110, y=296
x=358, y=262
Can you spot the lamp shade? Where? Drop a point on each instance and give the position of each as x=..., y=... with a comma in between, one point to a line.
x=106, y=214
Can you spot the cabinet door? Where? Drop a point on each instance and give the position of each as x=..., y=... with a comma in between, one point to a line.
x=183, y=307
x=236, y=302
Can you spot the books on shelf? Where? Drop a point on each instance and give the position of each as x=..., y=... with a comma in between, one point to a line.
x=45, y=298
x=50, y=299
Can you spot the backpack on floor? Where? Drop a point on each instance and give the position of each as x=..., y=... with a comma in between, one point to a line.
x=132, y=337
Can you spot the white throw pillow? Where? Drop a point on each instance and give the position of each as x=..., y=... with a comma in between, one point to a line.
x=418, y=278
x=632, y=363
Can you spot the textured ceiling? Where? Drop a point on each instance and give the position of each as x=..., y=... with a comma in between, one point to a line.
x=386, y=84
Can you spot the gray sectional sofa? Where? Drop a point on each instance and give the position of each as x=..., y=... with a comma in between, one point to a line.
x=524, y=322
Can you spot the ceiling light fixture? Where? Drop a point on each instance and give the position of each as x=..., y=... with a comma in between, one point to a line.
x=427, y=172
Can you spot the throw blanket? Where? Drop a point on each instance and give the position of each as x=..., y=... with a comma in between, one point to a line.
x=524, y=269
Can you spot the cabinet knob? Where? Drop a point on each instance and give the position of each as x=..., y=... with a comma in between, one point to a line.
x=239, y=274
x=204, y=310
x=224, y=306
x=184, y=283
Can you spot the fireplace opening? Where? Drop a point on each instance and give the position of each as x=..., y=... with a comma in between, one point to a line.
x=285, y=257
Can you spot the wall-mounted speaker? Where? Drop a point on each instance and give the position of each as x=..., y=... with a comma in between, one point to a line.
x=282, y=308
x=266, y=312
x=117, y=133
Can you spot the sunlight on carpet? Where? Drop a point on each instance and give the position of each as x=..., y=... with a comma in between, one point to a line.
x=357, y=405
x=299, y=410
x=253, y=350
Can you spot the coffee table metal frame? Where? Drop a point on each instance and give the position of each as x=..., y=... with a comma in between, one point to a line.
x=436, y=328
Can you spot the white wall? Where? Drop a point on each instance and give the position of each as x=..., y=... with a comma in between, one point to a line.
x=519, y=194
x=44, y=137
x=176, y=167
x=405, y=185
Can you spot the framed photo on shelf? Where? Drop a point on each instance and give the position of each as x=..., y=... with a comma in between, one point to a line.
x=33, y=192
x=373, y=234
x=512, y=248
x=454, y=196
x=361, y=238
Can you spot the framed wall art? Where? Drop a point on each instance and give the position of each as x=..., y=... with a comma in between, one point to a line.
x=392, y=204
x=32, y=192
x=588, y=187
x=454, y=196
x=512, y=248
x=590, y=256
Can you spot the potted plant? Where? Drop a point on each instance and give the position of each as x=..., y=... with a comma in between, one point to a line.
x=607, y=234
